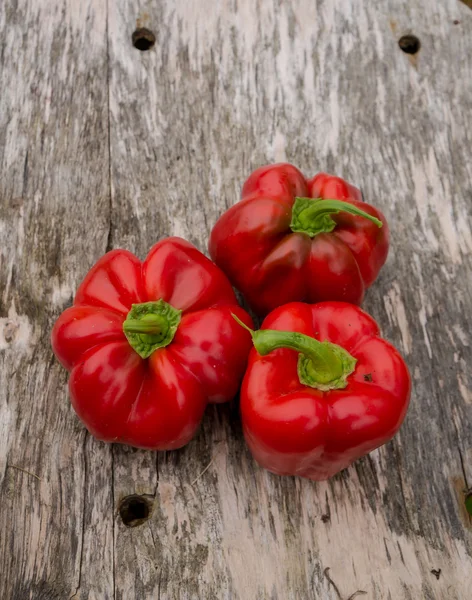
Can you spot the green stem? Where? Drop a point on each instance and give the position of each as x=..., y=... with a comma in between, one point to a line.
x=313, y=215
x=151, y=325
x=321, y=365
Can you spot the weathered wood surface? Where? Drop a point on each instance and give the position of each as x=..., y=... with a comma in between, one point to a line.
x=103, y=146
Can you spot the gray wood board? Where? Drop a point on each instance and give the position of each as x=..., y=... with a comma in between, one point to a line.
x=103, y=146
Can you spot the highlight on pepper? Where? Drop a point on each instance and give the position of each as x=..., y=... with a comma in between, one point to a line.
x=294, y=239
x=150, y=344
x=321, y=389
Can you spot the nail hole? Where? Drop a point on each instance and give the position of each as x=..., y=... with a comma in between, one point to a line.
x=143, y=39
x=135, y=510
x=325, y=518
x=410, y=44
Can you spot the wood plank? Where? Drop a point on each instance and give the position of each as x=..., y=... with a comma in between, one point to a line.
x=326, y=86
x=172, y=133
x=54, y=222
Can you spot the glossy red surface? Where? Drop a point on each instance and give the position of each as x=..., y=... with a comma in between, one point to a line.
x=253, y=243
x=293, y=429
x=156, y=403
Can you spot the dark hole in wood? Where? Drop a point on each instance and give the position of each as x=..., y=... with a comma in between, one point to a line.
x=410, y=44
x=143, y=39
x=325, y=518
x=135, y=510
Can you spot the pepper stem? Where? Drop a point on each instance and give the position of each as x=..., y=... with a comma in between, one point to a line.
x=321, y=365
x=313, y=215
x=151, y=325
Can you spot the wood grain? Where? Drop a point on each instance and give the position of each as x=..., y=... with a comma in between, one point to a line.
x=55, y=215
x=104, y=146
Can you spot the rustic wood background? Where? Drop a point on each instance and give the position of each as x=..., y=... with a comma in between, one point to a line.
x=104, y=146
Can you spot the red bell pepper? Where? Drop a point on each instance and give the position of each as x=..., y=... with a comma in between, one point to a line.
x=321, y=389
x=290, y=239
x=150, y=344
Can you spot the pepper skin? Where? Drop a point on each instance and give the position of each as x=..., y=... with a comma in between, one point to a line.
x=281, y=243
x=311, y=409
x=149, y=344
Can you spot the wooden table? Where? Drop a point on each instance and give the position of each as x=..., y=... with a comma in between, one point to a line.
x=104, y=146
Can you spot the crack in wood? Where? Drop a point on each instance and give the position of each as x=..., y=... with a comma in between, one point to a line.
x=109, y=242
x=336, y=589
x=461, y=458
x=156, y=487
x=331, y=582
x=112, y=482
x=356, y=594
x=8, y=466
x=84, y=502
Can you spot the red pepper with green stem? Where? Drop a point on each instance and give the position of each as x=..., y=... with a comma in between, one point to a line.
x=292, y=239
x=150, y=344
x=322, y=388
